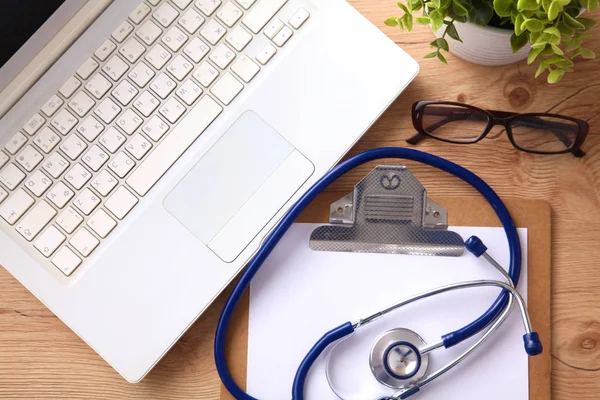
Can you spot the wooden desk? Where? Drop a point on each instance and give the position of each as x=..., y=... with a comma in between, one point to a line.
x=41, y=358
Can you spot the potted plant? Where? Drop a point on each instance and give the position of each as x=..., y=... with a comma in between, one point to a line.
x=497, y=32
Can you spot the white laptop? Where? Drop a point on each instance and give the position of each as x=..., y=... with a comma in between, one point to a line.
x=143, y=169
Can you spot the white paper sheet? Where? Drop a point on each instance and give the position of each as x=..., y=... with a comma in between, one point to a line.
x=299, y=294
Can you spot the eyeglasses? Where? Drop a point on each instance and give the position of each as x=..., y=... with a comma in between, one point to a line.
x=463, y=124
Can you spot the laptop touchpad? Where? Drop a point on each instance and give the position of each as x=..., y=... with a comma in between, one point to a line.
x=238, y=186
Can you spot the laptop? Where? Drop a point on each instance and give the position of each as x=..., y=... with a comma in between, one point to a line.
x=150, y=146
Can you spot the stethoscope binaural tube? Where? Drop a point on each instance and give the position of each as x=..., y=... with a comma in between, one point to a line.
x=254, y=265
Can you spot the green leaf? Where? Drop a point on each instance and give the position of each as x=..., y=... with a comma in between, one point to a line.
x=518, y=42
x=409, y=6
x=533, y=25
x=437, y=20
x=442, y=58
x=440, y=43
x=592, y=5
x=534, y=36
x=553, y=31
x=431, y=55
x=518, y=23
x=533, y=54
x=481, y=12
x=459, y=9
x=530, y=5
x=423, y=20
x=556, y=49
x=445, y=4
x=554, y=10
x=565, y=29
x=403, y=7
x=453, y=33
x=587, y=53
x=588, y=23
x=436, y=4
x=503, y=7
x=572, y=22
x=408, y=22
x=393, y=21
x=540, y=70
x=555, y=76
x=417, y=5
x=574, y=44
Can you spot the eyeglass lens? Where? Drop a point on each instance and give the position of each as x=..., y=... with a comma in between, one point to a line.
x=455, y=123
x=543, y=133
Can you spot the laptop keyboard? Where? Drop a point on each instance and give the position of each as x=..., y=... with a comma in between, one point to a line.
x=84, y=160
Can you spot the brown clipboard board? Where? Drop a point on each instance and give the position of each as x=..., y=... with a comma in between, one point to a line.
x=535, y=215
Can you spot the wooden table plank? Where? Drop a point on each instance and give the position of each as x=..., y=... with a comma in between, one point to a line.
x=42, y=358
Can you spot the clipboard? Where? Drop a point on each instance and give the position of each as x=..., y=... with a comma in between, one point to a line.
x=535, y=215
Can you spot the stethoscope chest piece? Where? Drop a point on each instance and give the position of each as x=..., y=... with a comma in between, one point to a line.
x=395, y=358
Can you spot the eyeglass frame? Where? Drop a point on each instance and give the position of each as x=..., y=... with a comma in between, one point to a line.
x=495, y=118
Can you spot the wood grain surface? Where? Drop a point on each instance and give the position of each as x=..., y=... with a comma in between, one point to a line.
x=41, y=358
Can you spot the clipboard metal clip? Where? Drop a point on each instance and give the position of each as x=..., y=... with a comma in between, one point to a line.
x=388, y=212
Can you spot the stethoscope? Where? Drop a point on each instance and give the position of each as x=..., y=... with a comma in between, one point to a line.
x=399, y=357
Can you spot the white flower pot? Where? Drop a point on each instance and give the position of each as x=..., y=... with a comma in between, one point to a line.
x=484, y=45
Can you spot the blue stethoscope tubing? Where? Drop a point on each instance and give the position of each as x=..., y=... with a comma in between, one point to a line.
x=269, y=244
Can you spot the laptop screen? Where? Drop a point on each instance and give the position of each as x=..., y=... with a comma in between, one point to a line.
x=19, y=20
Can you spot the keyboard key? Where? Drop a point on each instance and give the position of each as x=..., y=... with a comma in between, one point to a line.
x=101, y=223
x=104, y=50
x=81, y=104
x=104, y=183
x=129, y=121
x=3, y=159
x=64, y=121
x=78, y=176
x=34, y=124
x=141, y=74
x=246, y=3
x=182, y=4
x=191, y=21
x=139, y=13
x=227, y=88
x=87, y=201
x=208, y=6
x=46, y=140
x=98, y=86
x=48, y=242
x=149, y=32
x=69, y=87
x=189, y=92
x=124, y=92
x=205, y=74
x=165, y=14
x=121, y=164
x=146, y=103
x=163, y=85
x=55, y=165
x=38, y=183
x=273, y=28
x=172, y=110
x=121, y=202
x=60, y=195
x=29, y=158
x=158, y=56
x=154, y=2
x=112, y=139
x=66, y=261
x=245, y=68
x=115, y=68
x=132, y=50
x=262, y=13
x=87, y=68
x=11, y=176
x=299, y=18
x=174, y=144
x=196, y=50
x=283, y=36
x=122, y=31
x=266, y=54
x=16, y=143
x=90, y=128
x=213, y=31
x=229, y=14
x=52, y=105
x=238, y=38
x=73, y=146
x=16, y=205
x=174, y=38
x=155, y=128
x=222, y=56
x=107, y=110
x=138, y=146
x=36, y=220
x=3, y=194
x=180, y=67
x=84, y=242
x=95, y=158
x=69, y=220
